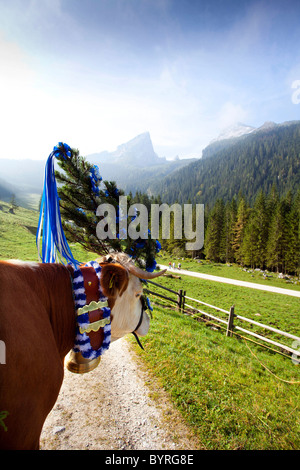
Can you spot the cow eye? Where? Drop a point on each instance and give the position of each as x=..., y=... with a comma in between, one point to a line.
x=138, y=294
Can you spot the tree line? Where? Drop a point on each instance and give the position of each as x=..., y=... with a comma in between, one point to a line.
x=265, y=236
x=260, y=234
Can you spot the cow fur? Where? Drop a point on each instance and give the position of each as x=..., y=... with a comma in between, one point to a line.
x=37, y=325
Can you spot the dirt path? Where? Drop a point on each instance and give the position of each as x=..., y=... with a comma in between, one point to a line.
x=236, y=282
x=110, y=409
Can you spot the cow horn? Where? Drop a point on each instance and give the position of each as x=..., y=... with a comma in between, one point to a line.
x=143, y=274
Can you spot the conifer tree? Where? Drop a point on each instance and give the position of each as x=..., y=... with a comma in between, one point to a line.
x=239, y=228
x=290, y=234
x=256, y=234
x=214, y=240
x=81, y=192
x=247, y=252
x=275, y=240
x=229, y=223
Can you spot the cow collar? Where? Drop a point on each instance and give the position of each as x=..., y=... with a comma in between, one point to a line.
x=93, y=324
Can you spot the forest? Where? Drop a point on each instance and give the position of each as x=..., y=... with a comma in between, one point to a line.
x=261, y=230
x=264, y=235
x=255, y=162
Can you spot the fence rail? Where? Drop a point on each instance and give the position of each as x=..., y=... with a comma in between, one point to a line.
x=231, y=328
x=179, y=301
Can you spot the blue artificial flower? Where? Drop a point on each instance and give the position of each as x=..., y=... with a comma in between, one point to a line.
x=96, y=173
x=80, y=210
x=140, y=244
x=95, y=179
x=158, y=246
x=62, y=150
x=67, y=150
x=149, y=304
x=151, y=266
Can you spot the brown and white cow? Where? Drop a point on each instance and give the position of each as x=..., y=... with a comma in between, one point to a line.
x=37, y=326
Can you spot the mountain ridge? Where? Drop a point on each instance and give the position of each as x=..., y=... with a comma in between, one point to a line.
x=269, y=156
x=134, y=165
x=230, y=165
x=138, y=151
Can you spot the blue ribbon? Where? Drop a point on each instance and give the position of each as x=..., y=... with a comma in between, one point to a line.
x=50, y=231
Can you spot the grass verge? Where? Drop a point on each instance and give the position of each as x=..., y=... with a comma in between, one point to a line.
x=223, y=392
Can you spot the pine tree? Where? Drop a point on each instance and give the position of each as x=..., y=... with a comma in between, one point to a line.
x=256, y=234
x=239, y=228
x=81, y=192
x=276, y=239
x=214, y=239
x=247, y=253
x=290, y=239
x=229, y=223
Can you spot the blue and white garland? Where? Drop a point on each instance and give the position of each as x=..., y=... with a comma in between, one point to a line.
x=51, y=242
x=82, y=341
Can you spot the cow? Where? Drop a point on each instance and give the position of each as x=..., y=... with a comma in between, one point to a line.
x=37, y=326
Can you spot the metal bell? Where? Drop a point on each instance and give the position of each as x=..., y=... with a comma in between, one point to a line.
x=77, y=364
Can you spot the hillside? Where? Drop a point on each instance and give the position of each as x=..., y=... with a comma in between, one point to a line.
x=6, y=190
x=17, y=233
x=266, y=157
x=22, y=178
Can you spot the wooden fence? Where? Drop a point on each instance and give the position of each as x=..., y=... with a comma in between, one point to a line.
x=228, y=319
x=180, y=295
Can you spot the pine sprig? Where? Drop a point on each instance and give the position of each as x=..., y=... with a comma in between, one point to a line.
x=81, y=190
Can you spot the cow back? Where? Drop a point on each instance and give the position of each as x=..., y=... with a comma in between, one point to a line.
x=37, y=327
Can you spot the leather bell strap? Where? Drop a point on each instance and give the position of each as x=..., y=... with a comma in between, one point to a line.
x=93, y=307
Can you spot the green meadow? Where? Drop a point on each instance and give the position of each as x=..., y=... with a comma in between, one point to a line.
x=18, y=235
x=233, y=393
x=232, y=397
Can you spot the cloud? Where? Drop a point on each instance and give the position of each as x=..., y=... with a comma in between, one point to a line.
x=230, y=114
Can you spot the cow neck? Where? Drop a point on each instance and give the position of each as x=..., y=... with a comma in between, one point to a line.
x=93, y=326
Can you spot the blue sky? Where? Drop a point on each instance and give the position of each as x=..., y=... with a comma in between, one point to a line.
x=96, y=73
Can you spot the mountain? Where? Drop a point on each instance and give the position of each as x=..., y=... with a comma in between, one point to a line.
x=138, y=152
x=227, y=137
x=235, y=131
x=134, y=165
x=267, y=156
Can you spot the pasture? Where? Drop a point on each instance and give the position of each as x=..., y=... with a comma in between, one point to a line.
x=233, y=394
x=18, y=232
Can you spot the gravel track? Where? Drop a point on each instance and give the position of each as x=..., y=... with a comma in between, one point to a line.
x=110, y=408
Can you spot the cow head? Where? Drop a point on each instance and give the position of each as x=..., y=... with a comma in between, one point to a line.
x=121, y=283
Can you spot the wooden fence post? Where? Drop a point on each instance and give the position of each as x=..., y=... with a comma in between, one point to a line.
x=179, y=300
x=230, y=322
x=183, y=302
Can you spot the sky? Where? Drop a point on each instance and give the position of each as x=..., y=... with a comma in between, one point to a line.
x=96, y=73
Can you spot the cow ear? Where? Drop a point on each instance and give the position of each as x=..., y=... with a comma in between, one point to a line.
x=114, y=279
